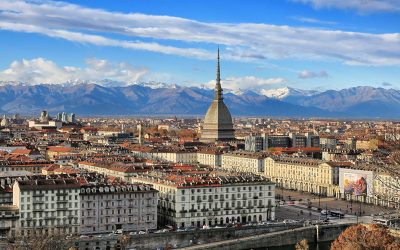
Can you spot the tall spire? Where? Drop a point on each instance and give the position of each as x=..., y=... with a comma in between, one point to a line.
x=218, y=88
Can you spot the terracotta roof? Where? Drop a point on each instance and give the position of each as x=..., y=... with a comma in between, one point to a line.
x=51, y=167
x=21, y=151
x=60, y=149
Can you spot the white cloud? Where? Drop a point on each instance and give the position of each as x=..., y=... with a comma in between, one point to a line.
x=42, y=71
x=312, y=20
x=246, y=83
x=241, y=41
x=306, y=74
x=362, y=6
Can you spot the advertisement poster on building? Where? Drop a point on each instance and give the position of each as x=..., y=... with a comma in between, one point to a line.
x=355, y=184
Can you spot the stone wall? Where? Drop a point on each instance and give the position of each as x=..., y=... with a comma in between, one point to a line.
x=179, y=239
x=184, y=239
x=221, y=239
x=286, y=237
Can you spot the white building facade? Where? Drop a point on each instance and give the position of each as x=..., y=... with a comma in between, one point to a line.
x=242, y=161
x=235, y=200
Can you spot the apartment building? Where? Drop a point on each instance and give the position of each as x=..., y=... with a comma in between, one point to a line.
x=175, y=156
x=254, y=143
x=47, y=206
x=116, y=169
x=200, y=197
x=105, y=208
x=9, y=216
x=308, y=175
x=209, y=157
x=34, y=167
x=243, y=161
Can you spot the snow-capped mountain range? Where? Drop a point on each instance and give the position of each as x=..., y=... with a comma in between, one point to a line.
x=281, y=93
x=108, y=97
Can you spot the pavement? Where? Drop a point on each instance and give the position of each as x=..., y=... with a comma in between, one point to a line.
x=347, y=207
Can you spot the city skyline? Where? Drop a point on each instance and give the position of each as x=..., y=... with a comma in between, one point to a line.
x=264, y=45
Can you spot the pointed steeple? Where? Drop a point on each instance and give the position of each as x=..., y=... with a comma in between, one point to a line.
x=218, y=124
x=218, y=88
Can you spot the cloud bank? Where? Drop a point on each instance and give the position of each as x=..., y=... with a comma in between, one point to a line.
x=43, y=71
x=246, y=83
x=239, y=41
x=363, y=6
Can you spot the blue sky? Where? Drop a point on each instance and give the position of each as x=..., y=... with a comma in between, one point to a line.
x=307, y=44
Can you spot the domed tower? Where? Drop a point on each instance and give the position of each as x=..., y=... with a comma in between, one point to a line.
x=218, y=120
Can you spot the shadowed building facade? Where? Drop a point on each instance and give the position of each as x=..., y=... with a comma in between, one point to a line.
x=218, y=124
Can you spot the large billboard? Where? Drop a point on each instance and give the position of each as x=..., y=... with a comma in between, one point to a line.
x=355, y=183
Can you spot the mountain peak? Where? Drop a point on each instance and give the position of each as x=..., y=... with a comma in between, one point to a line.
x=157, y=85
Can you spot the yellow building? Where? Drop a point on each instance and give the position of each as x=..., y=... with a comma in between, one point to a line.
x=371, y=144
x=308, y=175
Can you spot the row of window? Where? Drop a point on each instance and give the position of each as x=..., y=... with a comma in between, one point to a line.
x=227, y=189
x=119, y=196
x=130, y=219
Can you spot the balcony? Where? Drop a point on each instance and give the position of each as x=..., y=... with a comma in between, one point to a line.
x=183, y=211
x=255, y=197
x=221, y=199
x=61, y=194
x=250, y=207
x=204, y=209
x=61, y=201
x=50, y=218
x=38, y=195
x=261, y=206
x=215, y=209
x=38, y=202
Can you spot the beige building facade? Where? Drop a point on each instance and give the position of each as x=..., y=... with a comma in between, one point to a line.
x=307, y=175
